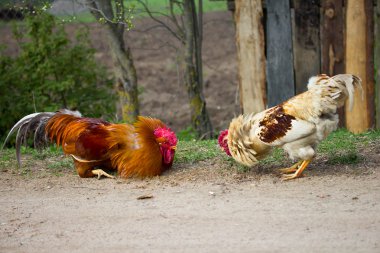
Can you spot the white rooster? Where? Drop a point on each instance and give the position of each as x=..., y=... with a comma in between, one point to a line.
x=297, y=125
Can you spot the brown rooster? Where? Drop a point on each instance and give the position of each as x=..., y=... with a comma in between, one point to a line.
x=297, y=125
x=144, y=149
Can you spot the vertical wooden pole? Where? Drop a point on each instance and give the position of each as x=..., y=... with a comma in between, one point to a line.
x=280, y=71
x=332, y=42
x=251, y=55
x=306, y=46
x=359, y=61
x=377, y=62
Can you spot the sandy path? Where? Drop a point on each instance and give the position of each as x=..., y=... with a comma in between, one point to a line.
x=313, y=214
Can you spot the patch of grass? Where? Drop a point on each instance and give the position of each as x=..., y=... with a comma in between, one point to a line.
x=350, y=157
x=45, y=153
x=7, y=155
x=338, y=140
x=341, y=146
x=60, y=166
x=194, y=151
x=8, y=160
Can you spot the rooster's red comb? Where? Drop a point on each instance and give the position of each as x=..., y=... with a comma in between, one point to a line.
x=222, y=140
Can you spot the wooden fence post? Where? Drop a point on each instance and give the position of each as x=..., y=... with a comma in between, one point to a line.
x=377, y=62
x=332, y=42
x=280, y=71
x=251, y=55
x=359, y=61
x=306, y=42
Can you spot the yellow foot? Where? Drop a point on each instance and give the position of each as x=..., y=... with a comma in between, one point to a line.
x=100, y=173
x=298, y=172
x=291, y=169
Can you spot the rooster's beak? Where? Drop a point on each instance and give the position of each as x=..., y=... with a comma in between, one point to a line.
x=173, y=147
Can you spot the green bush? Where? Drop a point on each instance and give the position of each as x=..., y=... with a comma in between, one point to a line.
x=50, y=73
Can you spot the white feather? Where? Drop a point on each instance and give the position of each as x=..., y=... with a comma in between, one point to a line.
x=21, y=122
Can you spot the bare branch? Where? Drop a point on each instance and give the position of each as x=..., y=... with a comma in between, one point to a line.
x=175, y=21
x=160, y=22
x=99, y=14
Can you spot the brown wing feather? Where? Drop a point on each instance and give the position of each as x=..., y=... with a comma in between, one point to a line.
x=83, y=137
x=275, y=124
x=92, y=144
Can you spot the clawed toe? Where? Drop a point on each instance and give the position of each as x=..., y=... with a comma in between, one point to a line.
x=291, y=176
x=101, y=173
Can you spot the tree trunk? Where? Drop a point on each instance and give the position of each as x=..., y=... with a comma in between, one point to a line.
x=193, y=77
x=126, y=78
x=123, y=67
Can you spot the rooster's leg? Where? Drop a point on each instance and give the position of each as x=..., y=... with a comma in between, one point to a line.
x=298, y=173
x=100, y=173
x=291, y=169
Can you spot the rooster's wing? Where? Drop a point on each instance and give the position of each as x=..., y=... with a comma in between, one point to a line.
x=277, y=127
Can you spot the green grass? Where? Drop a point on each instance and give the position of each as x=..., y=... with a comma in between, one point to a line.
x=194, y=151
x=341, y=146
x=162, y=6
x=137, y=10
x=59, y=167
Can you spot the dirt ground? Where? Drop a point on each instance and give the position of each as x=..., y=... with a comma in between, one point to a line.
x=194, y=208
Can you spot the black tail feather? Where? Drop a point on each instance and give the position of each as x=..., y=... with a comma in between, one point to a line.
x=34, y=123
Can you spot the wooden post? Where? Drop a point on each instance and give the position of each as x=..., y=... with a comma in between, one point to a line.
x=359, y=61
x=251, y=55
x=280, y=71
x=306, y=46
x=377, y=62
x=332, y=42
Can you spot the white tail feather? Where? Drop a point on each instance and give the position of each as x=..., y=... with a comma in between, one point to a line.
x=22, y=121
